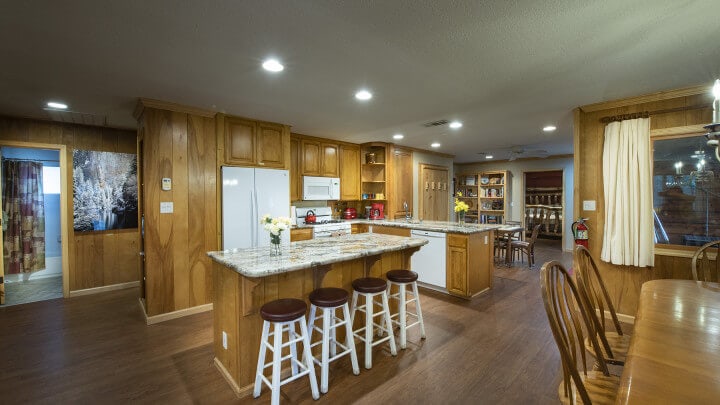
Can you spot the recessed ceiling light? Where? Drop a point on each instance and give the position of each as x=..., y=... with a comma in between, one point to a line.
x=549, y=128
x=488, y=156
x=55, y=104
x=455, y=124
x=435, y=144
x=363, y=95
x=398, y=136
x=272, y=65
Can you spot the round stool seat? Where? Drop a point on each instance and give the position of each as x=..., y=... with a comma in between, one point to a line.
x=401, y=276
x=283, y=310
x=369, y=285
x=328, y=297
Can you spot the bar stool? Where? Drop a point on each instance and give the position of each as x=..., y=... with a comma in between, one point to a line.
x=283, y=314
x=369, y=287
x=401, y=278
x=329, y=300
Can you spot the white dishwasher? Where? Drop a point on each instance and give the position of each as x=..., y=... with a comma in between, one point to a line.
x=429, y=261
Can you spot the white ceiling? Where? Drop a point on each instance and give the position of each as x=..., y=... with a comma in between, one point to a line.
x=504, y=68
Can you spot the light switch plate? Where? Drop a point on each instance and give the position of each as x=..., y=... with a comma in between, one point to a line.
x=166, y=207
x=588, y=205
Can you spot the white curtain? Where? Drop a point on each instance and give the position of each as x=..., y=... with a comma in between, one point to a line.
x=627, y=174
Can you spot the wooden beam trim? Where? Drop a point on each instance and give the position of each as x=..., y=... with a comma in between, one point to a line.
x=647, y=98
x=647, y=114
x=144, y=103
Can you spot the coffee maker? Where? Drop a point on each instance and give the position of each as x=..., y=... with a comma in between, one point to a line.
x=376, y=211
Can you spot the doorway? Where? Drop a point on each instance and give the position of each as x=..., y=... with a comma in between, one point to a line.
x=434, y=192
x=31, y=183
x=544, y=205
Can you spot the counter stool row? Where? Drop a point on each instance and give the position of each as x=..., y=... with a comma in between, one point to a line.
x=284, y=313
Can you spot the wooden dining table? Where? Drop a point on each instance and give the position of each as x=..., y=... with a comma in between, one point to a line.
x=508, y=232
x=674, y=354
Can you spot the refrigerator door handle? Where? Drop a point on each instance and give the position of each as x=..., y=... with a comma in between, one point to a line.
x=256, y=217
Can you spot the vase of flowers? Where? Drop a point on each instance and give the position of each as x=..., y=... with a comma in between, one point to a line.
x=460, y=209
x=275, y=226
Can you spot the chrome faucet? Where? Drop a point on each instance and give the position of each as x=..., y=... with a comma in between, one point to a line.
x=408, y=216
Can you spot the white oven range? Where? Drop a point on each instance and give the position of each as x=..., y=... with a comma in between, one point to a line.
x=324, y=226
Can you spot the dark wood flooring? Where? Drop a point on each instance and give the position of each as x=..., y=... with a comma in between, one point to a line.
x=497, y=348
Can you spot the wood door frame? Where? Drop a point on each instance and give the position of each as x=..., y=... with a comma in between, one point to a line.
x=421, y=168
x=64, y=206
x=524, y=189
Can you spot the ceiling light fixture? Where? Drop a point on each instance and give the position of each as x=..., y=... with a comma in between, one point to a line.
x=55, y=104
x=398, y=136
x=363, y=95
x=455, y=124
x=549, y=128
x=272, y=65
x=435, y=145
x=713, y=135
x=488, y=156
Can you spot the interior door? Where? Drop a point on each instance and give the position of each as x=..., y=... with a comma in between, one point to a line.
x=434, y=193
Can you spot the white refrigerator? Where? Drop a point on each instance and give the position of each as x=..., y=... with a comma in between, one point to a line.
x=247, y=195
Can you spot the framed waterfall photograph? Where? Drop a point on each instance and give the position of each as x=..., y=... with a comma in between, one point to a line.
x=105, y=194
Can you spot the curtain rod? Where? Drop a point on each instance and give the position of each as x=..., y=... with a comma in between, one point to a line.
x=646, y=114
x=31, y=160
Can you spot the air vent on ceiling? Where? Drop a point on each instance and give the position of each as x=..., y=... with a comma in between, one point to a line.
x=435, y=123
x=74, y=117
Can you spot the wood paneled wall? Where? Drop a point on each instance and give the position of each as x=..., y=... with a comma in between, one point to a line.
x=624, y=282
x=95, y=259
x=183, y=147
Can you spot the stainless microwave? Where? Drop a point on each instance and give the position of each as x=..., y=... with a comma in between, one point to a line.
x=321, y=188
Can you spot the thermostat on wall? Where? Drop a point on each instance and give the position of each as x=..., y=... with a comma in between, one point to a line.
x=166, y=184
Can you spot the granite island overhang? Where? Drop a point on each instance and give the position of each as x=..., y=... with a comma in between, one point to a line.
x=245, y=279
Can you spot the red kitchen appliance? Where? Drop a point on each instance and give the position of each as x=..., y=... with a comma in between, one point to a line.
x=376, y=211
x=310, y=217
x=350, y=213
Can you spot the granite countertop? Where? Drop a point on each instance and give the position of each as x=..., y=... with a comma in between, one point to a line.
x=257, y=262
x=435, y=226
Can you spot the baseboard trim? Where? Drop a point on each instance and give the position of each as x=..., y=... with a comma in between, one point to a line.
x=150, y=320
x=240, y=392
x=105, y=288
x=621, y=317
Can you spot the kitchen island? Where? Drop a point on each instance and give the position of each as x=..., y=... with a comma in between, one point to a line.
x=245, y=279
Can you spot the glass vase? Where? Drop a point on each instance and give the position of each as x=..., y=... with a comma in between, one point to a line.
x=461, y=218
x=275, y=247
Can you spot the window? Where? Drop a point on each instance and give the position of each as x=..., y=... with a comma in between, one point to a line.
x=686, y=191
x=51, y=180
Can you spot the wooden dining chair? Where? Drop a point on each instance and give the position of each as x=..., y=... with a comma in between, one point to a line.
x=526, y=247
x=704, y=269
x=567, y=318
x=615, y=344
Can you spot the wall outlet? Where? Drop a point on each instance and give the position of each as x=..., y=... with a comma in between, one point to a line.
x=166, y=207
x=224, y=340
x=486, y=239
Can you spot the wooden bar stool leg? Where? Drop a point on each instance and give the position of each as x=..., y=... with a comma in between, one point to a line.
x=325, y=352
x=403, y=316
x=277, y=356
x=388, y=323
x=333, y=335
x=350, y=340
x=261, y=359
x=293, y=348
x=418, y=310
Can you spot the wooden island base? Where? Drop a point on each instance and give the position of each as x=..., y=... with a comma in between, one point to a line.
x=237, y=301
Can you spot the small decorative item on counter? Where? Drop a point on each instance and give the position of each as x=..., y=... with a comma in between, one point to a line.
x=460, y=209
x=275, y=226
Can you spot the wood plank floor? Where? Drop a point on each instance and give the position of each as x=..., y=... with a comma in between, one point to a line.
x=497, y=348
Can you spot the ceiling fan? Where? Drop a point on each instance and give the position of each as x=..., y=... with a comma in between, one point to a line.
x=520, y=152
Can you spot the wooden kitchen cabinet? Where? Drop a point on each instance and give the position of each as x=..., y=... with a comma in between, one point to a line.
x=350, y=173
x=297, y=234
x=319, y=158
x=358, y=228
x=401, y=189
x=254, y=143
x=390, y=230
x=469, y=264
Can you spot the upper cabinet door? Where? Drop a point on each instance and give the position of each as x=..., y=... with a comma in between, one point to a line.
x=311, y=161
x=295, y=177
x=330, y=160
x=349, y=173
x=270, y=147
x=239, y=141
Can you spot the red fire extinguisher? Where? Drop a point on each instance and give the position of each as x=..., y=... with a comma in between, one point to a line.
x=580, y=232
